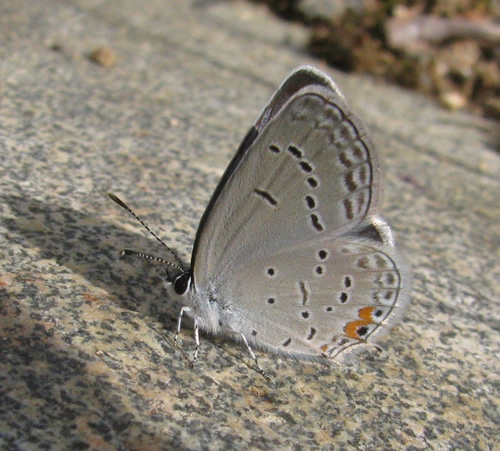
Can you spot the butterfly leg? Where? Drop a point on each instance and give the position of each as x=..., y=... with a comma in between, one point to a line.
x=179, y=320
x=254, y=357
x=196, y=340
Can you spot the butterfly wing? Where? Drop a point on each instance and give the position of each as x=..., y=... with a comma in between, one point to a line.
x=289, y=246
x=322, y=298
x=306, y=171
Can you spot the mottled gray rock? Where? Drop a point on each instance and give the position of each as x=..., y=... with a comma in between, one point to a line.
x=86, y=338
x=328, y=9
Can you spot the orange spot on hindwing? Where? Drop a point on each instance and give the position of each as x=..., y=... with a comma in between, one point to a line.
x=366, y=313
x=357, y=329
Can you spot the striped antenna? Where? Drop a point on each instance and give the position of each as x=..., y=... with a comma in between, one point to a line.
x=122, y=204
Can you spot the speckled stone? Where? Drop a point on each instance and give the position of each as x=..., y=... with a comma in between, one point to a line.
x=87, y=360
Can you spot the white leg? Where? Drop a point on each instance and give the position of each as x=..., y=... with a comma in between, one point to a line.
x=254, y=357
x=179, y=320
x=196, y=340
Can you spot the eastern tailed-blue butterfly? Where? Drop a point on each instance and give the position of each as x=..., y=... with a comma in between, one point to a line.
x=289, y=256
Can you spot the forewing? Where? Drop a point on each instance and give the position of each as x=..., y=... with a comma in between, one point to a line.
x=307, y=171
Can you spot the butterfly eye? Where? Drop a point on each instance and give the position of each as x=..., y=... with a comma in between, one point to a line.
x=181, y=283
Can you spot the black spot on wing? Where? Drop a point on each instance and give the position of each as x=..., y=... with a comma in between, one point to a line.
x=267, y=196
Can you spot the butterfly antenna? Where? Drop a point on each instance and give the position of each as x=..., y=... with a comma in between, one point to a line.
x=149, y=257
x=122, y=204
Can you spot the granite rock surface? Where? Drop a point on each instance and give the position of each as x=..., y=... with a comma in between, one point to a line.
x=86, y=353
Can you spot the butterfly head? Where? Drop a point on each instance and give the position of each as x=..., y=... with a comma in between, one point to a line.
x=182, y=283
x=203, y=305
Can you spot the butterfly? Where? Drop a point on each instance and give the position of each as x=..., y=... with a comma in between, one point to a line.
x=289, y=256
